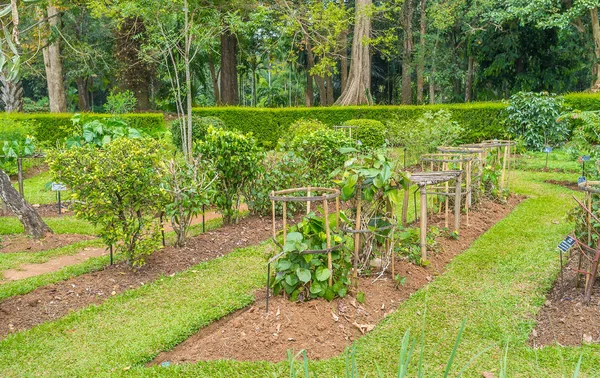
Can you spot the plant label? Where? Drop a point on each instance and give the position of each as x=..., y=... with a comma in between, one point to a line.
x=548, y=150
x=58, y=187
x=581, y=179
x=566, y=244
x=585, y=158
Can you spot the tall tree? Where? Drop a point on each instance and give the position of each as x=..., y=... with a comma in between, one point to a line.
x=358, y=88
x=53, y=60
x=421, y=53
x=407, y=17
x=229, y=77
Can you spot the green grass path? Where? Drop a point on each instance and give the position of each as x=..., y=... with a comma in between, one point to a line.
x=498, y=285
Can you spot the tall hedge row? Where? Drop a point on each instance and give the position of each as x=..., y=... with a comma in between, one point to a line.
x=583, y=101
x=48, y=128
x=480, y=120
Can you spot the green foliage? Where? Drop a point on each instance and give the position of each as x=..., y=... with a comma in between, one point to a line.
x=303, y=276
x=48, y=129
x=40, y=106
x=200, y=127
x=99, y=132
x=321, y=151
x=426, y=133
x=582, y=101
x=279, y=171
x=483, y=120
x=533, y=117
x=371, y=133
x=15, y=149
x=236, y=159
x=187, y=184
x=407, y=243
x=302, y=128
x=116, y=188
x=490, y=179
x=120, y=102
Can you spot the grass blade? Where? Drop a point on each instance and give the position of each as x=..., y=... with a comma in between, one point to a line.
x=449, y=365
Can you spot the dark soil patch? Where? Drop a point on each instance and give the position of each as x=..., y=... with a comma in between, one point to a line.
x=26, y=244
x=565, y=319
x=567, y=184
x=324, y=328
x=56, y=300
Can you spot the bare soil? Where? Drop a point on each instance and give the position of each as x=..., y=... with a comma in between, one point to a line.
x=567, y=184
x=26, y=244
x=56, y=300
x=324, y=328
x=564, y=319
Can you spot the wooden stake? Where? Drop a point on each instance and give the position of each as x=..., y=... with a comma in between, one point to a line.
x=469, y=191
x=308, y=202
x=447, y=212
x=273, y=208
x=328, y=236
x=337, y=212
x=457, y=199
x=405, y=207
x=284, y=222
x=423, y=235
x=503, y=177
x=356, y=237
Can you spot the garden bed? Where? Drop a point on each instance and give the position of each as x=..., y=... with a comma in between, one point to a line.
x=26, y=244
x=565, y=319
x=324, y=328
x=56, y=300
x=567, y=184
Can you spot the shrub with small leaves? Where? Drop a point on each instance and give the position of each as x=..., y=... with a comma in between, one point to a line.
x=236, y=159
x=200, y=127
x=321, y=150
x=120, y=102
x=371, y=133
x=187, y=184
x=117, y=189
x=302, y=128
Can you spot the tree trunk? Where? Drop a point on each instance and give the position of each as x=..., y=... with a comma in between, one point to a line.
x=329, y=83
x=83, y=95
x=12, y=93
x=596, y=35
x=407, y=15
x=469, y=83
x=343, y=54
x=320, y=80
x=214, y=78
x=309, y=92
x=188, y=78
x=134, y=73
x=54, y=66
x=357, y=91
x=432, y=78
x=229, y=83
x=421, y=68
x=32, y=222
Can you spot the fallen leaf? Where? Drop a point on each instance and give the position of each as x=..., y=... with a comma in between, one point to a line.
x=364, y=328
x=334, y=316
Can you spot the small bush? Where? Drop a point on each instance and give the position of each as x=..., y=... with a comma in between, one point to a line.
x=302, y=128
x=426, y=133
x=116, y=188
x=534, y=117
x=120, y=102
x=371, y=133
x=200, y=127
x=279, y=171
x=236, y=159
x=321, y=151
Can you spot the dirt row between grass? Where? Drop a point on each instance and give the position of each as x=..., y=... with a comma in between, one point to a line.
x=324, y=329
x=56, y=300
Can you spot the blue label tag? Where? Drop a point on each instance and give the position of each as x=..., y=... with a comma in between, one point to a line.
x=585, y=158
x=548, y=150
x=566, y=244
x=581, y=180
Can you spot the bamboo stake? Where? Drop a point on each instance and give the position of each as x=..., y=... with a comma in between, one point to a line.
x=308, y=203
x=457, y=196
x=469, y=190
x=423, y=235
x=328, y=236
x=337, y=212
x=447, y=201
x=273, y=209
x=284, y=222
x=503, y=177
x=405, y=207
x=356, y=238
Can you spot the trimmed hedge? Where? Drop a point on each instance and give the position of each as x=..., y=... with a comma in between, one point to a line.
x=582, y=101
x=48, y=128
x=480, y=120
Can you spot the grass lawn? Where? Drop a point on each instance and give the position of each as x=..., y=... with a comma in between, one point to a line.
x=62, y=225
x=35, y=189
x=498, y=285
x=557, y=159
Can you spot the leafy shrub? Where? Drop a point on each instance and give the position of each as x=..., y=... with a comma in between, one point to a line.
x=321, y=151
x=279, y=171
x=534, y=117
x=100, y=132
x=200, y=127
x=187, y=184
x=305, y=276
x=40, y=106
x=120, y=102
x=426, y=133
x=116, y=188
x=236, y=159
x=302, y=128
x=371, y=133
